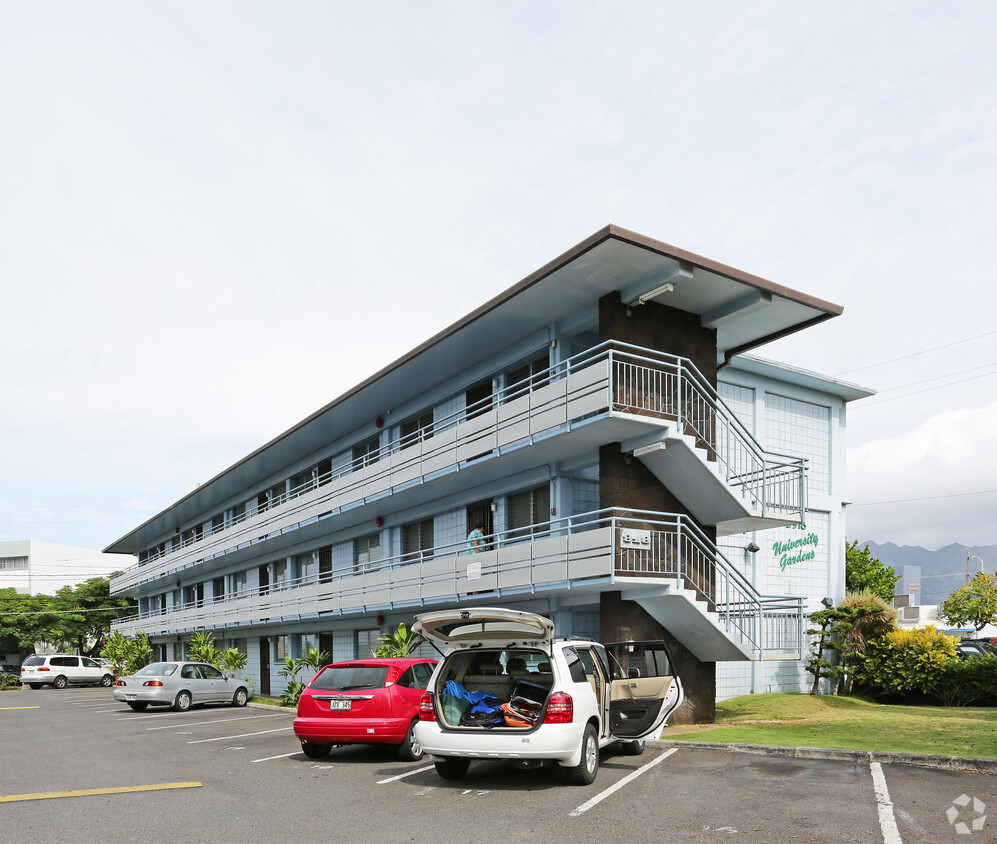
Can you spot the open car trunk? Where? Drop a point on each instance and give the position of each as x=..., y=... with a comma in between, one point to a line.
x=493, y=689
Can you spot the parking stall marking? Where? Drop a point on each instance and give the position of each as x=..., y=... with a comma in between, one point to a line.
x=282, y=756
x=216, y=721
x=581, y=810
x=89, y=792
x=19, y=707
x=242, y=735
x=406, y=774
x=887, y=821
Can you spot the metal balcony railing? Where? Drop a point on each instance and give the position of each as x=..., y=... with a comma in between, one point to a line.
x=639, y=381
x=602, y=545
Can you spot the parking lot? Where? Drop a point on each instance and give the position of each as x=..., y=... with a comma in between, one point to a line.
x=80, y=767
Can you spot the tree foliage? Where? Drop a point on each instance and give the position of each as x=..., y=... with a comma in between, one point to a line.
x=863, y=572
x=75, y=618
x=401, y=643
x=975, y=603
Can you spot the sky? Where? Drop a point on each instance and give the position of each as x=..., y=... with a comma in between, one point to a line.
x=216, y=218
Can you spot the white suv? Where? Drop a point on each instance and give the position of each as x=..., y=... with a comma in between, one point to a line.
x=61, y=670
x=507, y=689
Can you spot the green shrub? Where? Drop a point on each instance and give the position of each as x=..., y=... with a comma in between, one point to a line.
x=904, y=662
x=970, y=682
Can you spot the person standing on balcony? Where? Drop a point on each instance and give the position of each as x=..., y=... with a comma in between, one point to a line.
x=476, y=539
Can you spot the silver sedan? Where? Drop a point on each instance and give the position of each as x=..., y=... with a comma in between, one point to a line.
x=180, y=685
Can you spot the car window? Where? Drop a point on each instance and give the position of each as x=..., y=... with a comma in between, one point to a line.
x=407, y=679
x=349, y=678
x=423, y=673
x=575, y=666
x=90, y=663
x=190, y=672
x=157, y=669
x=33, y=660
x=209, y=672
x=65, y=661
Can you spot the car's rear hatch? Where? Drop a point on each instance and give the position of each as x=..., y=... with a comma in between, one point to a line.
x=486, y=627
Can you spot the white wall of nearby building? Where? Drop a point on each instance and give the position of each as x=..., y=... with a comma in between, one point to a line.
x=41, y=568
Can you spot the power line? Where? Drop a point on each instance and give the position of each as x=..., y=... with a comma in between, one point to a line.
x=916, y=354
x=926, y=390
x=925, y=498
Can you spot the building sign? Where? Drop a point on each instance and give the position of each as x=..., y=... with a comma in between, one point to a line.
x=794, y=551
x=638, y=539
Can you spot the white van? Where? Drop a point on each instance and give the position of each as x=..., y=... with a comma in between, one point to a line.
x=61, y=670
x=507, y=689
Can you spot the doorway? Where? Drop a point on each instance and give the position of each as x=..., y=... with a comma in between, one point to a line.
x=480, y=513
x=265, y=665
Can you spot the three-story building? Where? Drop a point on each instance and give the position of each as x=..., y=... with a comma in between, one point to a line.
x=593, y=444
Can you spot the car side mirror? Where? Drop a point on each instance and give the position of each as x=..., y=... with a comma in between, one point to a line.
x=633, y=672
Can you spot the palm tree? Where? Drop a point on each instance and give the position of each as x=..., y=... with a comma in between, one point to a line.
x=401, y=643
x=865, y=616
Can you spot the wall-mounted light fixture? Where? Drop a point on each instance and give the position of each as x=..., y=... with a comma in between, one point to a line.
x=752, y=548
x=827, y=602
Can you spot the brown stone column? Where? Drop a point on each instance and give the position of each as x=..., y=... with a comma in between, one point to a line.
x=620, y=620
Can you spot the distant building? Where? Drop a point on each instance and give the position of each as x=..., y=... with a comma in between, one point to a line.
x=40, y=568
x=593, y=444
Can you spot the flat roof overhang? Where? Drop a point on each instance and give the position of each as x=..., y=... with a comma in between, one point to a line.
x=747, y=311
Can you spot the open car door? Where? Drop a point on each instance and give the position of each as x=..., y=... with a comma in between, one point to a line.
x=644, y=689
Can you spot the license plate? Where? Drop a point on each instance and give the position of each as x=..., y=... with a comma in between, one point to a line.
x=129, y=697
x=340, y=705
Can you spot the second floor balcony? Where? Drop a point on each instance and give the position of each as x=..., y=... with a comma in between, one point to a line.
x=662, y=561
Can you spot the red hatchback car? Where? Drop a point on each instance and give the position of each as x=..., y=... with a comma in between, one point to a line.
x=363, y=701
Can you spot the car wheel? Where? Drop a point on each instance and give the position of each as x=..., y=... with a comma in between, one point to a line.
x=633, y=748
x=183, y=702
x=241, y=697
x=107, y=681
x=35, y=685
x=410, y=750
x=138, y=705
x=315, y=749
x=452, y=768
x=588, y=766
x=59, y=682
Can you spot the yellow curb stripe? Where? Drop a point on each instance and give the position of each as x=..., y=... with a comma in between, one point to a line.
x=5, y=708
x=87, y=792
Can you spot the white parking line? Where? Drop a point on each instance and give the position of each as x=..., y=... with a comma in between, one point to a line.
x=216, y=721
x=243, y=735
x=406, y=774
x=887, y=822
x=581, y=810
x=282, y=756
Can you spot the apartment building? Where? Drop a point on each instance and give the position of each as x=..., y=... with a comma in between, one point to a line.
x=633, y=472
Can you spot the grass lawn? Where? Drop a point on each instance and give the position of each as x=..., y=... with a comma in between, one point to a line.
x=849, y=723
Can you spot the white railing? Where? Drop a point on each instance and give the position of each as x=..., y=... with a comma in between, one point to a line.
x=612, y=375
x=571, y=552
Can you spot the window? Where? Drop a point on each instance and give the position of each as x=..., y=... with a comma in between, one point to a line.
x=529, y=511
x=239, y=512
x=477, y=399
x=417, y=428
x=13, y=564
x=278, y=572
x=193, y=595
x=307, y=642
x=217, y=522
x=280, y=643
x=366, y=452
x=367, y=644
x=218, y=588
x=240, y=580
x=325, y=564
x=527, y=376
x=417, y=540
x=416, y=677
x=366, y=553
x=306, y=565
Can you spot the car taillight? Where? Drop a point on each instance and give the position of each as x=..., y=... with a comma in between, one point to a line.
x=426, y=710
x=43, y=668
x=560, y=709
x=152, y=683
x=121, y=683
